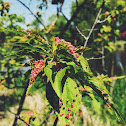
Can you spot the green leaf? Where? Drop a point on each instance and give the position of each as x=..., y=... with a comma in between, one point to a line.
x=35, y=122
x=96, y=105
x=84, y=64
x=69, y=102
x=109, y=20
x=105, y=29
x=57, y=86
x=29, y=46
x=116, y=32
x=17, y=37
x=48, y=73
x=73, y=65
x=53, y=44
x=98, y=86
x=52, y=97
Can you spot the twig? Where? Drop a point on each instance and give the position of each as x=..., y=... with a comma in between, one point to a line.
x=20, y=105
x=81, y=33
x=32, y=14
x=72, y=18
x=76, y=3
x=103, y=61
x=88, y=30
x=18, y=117
x=85, y=44
x=103, y=20
x=64, y=16
x=52, y=25
x=98, y=21
x=92, y=58
x=55, y=122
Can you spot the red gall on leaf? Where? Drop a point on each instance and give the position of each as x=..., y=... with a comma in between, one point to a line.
x=75, y=87
x=103, y=90
x=43, y=56
x=31, y=82
x=72, y=105
x=61, y=114
x=67, y=100
x=74, y=99
x=54, y=62
x=71, y=47
x=63, y=107
x=61, y=99
x=76, y=55
x=82, y=89
x=69, y=109
x=67, y=116
x=61, y=103
x=108, y=105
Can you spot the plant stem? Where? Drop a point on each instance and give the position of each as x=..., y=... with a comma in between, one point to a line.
x=20, y=105
x=55, y=122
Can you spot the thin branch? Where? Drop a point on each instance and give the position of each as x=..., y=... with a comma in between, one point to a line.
x=76, y=3
x=103, y=20
x=64, y=16
x=72, y=18
x=94, y=24
x=52, y=25
x=55, y=122
x=89, y=30
x=18, y=117
x=81, y=33
x=103, y=60
x=20, y=105
x=92, y=58
x=32, y=13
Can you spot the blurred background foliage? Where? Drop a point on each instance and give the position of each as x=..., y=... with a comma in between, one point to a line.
x=108, y=40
